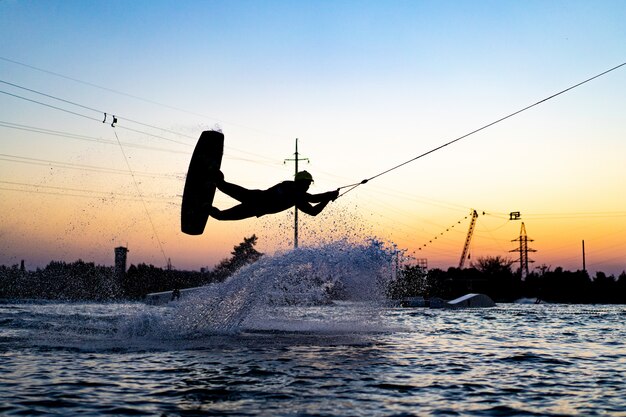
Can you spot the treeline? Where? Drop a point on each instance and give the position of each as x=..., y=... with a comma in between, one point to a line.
x=85, y=281
x=494, y=276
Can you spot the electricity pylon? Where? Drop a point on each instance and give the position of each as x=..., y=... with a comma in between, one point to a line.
x=523, y=250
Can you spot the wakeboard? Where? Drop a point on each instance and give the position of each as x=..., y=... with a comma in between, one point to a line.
x=199, y=191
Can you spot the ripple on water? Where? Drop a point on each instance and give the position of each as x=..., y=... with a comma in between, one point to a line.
x=350, y=358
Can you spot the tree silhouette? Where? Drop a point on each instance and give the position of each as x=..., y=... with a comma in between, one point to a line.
x=243, y=254
x=498, y=277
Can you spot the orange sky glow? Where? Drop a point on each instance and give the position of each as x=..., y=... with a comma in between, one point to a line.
x=361, y=94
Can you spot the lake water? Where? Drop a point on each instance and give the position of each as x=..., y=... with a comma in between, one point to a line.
x=349, y=359
x=242, y=348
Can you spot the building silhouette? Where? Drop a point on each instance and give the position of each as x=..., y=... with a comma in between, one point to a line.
x=120, y=263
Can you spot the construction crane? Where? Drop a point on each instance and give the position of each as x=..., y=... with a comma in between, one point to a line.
x=468, y=239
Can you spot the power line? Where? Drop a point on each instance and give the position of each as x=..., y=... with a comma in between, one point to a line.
x=80, y=167
x=56, y=74
x=49, y=96
x=75, y=136
x=39, y=189
x=92, y=109
x=579, y=215
x=116, y=118
x=48, y=105
x=91, y=118
x=116, y=136
x=76, y=80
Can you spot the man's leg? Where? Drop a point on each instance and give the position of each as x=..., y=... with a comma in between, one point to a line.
x=249, y=200
x=239, y=212
x=235, y=191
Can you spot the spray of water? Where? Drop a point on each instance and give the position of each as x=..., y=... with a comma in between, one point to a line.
x=330, y=293
x=306, y=289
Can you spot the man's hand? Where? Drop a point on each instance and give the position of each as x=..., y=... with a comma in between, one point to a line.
x=333, y=194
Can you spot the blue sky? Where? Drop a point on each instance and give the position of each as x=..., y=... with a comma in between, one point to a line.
x=363, y=85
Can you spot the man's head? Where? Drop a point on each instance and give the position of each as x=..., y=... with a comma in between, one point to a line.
x=303, y=179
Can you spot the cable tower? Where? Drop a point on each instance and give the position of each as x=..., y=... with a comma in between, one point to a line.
x=296, y=159
x=523, y=251
x=468, y=239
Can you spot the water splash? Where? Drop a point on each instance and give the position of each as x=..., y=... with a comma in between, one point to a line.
x=330, y=293
x=253, y=298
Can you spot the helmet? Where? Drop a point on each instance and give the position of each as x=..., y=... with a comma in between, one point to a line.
x=303, y=175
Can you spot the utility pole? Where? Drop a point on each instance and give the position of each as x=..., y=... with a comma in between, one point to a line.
x=584, y=261
x=296, y=159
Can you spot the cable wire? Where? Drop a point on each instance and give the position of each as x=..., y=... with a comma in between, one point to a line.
x=115, y=118
x=142, y=199
x=75, y=136
x=76, y=80
x=353, y=186
x=48, y=105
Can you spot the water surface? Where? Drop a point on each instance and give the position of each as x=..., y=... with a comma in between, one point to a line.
x=269, y=342
x=73, y=359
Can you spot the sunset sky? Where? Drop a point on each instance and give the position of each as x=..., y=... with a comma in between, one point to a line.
x=363, y=85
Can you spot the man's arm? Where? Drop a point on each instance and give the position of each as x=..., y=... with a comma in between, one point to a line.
x=323, y=199
x=319, y=198
x=310, y=209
